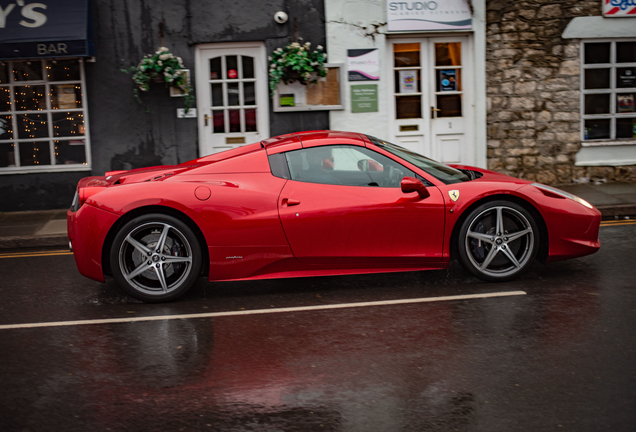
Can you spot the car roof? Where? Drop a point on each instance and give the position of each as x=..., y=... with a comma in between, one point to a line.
x=299, y=140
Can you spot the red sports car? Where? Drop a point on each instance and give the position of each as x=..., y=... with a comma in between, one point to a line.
x=316, y=203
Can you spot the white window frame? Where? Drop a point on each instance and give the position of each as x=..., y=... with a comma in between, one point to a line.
x=612, y=90
x=50, y=140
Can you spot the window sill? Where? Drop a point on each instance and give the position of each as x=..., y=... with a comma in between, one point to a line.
x=607, y=153
x=44, y=169
x=602, y=143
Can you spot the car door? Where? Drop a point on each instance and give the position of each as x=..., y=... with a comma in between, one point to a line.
x=355, y=213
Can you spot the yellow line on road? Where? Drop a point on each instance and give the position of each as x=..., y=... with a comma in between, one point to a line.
x=35, y=254
x=619, y=222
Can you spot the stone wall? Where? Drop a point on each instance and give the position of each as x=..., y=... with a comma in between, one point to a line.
x=533, y=92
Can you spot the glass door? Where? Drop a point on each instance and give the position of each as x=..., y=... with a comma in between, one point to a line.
x=232, y=98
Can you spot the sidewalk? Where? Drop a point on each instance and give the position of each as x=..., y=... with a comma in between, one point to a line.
x=38, y=229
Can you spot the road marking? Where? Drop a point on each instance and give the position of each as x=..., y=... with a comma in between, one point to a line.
x=34, y=254
x=619, y=222
x=264, y=311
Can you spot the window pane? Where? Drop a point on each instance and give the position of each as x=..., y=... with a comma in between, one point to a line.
x=29, y=98
x=597, y=53
x=35, y=153
x=4, y=73
x=626, y=52
x=6, y=127
x=449, y=80
x=70, y=152
x=5, y=99
x=63, y=70
x=408, y=107
x=219, y=121
x=248, y=67
x=448, y=54
x=27, y=71
x=406, y=54
x=66, y=96
x=597, y=129
x=249, y=95
x=217, y=94
x=7, y=155
x=625, y=102
x=233, y=94
x=32, y=126
x=626, y=77
x=597, y=78
x=232, y=67
x=449, y=105
x=597, y=103
x=235, y=120
x=250, y=120
x=626, y=128
x=68, y=124
x=215, y=68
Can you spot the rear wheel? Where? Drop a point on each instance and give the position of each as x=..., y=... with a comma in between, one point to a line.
x=155, y=257
x=498, y=241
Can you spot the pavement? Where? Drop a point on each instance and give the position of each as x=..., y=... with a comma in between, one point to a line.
x=47, y=228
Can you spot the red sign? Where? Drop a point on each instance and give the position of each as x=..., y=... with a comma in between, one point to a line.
x=232, y=73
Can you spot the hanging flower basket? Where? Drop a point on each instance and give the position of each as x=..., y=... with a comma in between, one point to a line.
x=161, y=67
x=296, y=63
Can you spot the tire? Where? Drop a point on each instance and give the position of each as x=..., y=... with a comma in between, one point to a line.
x=498, y=241
x=155, y=258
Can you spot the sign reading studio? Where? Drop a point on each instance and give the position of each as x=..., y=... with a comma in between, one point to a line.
x=428, y=15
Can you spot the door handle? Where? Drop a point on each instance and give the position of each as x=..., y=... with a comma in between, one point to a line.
x=206, y=118
x=433, y=111
x=290, y=202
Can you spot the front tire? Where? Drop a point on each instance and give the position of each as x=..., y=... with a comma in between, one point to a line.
x=155, y=257
x=498, y=241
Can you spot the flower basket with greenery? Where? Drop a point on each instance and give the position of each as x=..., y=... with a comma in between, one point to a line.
x=161, y=67
x=296, y=62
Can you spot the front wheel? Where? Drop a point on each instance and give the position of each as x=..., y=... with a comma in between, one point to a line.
x=155, y=257
x=498, y=241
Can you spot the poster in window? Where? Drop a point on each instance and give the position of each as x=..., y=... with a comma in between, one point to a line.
x=408, y=81
x=626, y=77
x=66, y=96
x=448, y=80
x=625, y=103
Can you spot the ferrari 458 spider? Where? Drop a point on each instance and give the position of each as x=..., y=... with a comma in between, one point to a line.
x=316, y=203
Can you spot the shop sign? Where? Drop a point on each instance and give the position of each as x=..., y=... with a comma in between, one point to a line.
x=363, y=64
x=429, y=15
x=364, y=98
x=619, y=8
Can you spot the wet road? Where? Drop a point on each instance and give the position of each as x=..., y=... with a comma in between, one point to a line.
x=560, y=357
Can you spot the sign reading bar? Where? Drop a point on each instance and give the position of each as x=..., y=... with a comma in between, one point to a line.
x=619, y=8
x=429, y=15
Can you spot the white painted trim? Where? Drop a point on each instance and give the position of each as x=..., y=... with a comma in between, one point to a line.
x=599, y=27
x=607, y=155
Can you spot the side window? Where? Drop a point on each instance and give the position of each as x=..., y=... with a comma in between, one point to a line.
x=345, y=165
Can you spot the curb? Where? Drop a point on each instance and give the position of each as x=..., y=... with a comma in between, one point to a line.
x=23, y=242
x=616, y=210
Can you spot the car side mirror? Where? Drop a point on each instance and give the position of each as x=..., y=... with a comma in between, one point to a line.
x=411, y=184
x=369, y=165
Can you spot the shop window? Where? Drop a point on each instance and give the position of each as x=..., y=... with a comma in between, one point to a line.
x=608, y=107
x=43, y=116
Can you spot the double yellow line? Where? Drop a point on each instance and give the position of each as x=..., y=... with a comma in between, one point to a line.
x=618, y=222
x=35, y=254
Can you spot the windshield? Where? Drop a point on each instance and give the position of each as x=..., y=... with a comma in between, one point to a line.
x=441, y=172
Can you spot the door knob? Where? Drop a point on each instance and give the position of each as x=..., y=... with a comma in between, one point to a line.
x=206, y=117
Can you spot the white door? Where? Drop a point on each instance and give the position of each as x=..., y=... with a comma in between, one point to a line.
x=232, y=102
x=429, y=99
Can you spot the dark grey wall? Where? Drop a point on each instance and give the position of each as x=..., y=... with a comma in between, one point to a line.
x=125, y=134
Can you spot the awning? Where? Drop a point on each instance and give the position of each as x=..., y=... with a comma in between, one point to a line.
x=44, y=30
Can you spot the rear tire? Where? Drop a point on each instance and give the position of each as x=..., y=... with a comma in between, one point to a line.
x=155, y=257
x=498, y=241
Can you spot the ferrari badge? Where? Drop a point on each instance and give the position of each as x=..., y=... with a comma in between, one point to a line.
x=454, y=195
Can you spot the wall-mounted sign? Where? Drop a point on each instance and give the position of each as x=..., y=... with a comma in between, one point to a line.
x=619, y=8
x=363, y=64
x=429, y=15
x=364, y=98
x=408, y=81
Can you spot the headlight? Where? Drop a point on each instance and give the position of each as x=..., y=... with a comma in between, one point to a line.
x=563, y=194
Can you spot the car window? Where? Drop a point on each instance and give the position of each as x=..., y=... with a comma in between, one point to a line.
x=345, y=165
